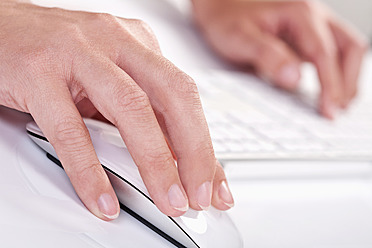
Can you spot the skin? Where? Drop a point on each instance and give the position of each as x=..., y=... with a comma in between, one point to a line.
x=274, y=37
x=60, y=65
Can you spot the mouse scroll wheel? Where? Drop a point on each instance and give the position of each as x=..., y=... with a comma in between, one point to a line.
x=113, y=138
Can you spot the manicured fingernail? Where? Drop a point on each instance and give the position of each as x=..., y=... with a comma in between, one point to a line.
x=177, y=199
x=289, y=75
x=107, y=206
x=225, y=194
x=204, y=195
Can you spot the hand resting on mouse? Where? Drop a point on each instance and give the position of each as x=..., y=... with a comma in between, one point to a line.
x=58, y=65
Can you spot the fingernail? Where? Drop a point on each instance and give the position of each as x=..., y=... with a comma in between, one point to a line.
x=107, y=206
x=204, y=195
x=331, y=109
x=289, y=75
x=225, y=195
x=177, y=199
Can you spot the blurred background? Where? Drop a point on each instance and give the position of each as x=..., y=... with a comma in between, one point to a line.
x=358, y=12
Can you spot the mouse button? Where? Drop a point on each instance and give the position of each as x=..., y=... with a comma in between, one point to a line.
x=193, y=214
x=221, y=232
x=194, y=221
x=44, y=145
x=91, y=125
x=100, y=125
x=104, y=131
x=113, y=138
x=135, y=179
x=97, y=125
x=96, y=130
x=130, y=197
x=117, y=159
x=214, y=214
x=124, y=167
x=32, y=127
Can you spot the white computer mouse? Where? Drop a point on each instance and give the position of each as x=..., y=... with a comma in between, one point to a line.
x=212, y=228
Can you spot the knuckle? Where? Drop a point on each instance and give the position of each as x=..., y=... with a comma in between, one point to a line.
x=84, y=171
x=358, y=46
x=109, y=24
x=202, y=150
x=180, y=82
x=71, y=135
x=158, y=160
x=179, y=88
x=271, y=55
x=318, y=51
x=265, y=51
x=131, y=99
x=205, y=151
x=141, y=24
x=187, y=85
x=145, y=34
x=75, y=32
x=147, y=29
x=106, y=18
x=328, y=52
x=15, y=97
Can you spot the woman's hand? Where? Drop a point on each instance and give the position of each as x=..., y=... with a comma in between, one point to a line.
x=275, y=36
x=56, y=62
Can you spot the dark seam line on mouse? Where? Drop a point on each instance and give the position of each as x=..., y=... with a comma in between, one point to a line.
x=56, y=161
x=131, y=212
x=37, y=136
x=151, y=226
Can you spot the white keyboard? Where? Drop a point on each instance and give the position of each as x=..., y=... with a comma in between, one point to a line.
x=250, y=119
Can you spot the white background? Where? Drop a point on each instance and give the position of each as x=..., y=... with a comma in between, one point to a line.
x=359, y=12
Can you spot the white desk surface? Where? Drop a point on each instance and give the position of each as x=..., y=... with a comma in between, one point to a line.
x=278, y=204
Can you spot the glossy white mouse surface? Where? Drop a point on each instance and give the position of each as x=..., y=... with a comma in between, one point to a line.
x=212, y=228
